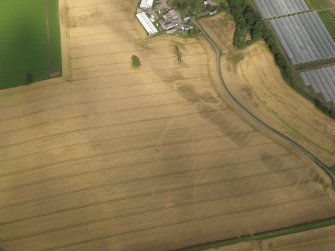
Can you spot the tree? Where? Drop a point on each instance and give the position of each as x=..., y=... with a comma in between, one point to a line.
x=178, y=54
x=135, y=61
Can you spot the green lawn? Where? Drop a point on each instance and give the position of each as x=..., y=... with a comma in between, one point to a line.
x=24, y=46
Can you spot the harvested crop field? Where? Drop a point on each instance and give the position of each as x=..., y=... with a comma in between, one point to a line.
x=253, y=77
x=118, y=158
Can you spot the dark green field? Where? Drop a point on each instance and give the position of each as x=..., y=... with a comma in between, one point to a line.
x=30, y=41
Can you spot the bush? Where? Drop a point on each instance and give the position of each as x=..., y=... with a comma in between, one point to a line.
x=135, y=61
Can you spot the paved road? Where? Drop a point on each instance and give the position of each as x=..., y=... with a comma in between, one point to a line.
x=252, y=116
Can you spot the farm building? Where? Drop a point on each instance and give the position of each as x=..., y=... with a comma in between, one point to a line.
x=171, y=15
x=146, y=23
x=146, y=4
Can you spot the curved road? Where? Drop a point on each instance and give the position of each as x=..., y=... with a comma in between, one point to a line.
x=252, y=116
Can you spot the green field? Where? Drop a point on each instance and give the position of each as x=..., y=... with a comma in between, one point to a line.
x=30, y=41
x=316, y=4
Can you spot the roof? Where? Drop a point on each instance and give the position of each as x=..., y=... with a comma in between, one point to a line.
x=147, y=24
x=146, y=4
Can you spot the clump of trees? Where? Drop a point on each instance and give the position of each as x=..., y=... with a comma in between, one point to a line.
x=135, y=61
x=195, y=7
x=247, y=22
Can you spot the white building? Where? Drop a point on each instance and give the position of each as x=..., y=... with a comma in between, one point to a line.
x=147, y=24
x=146, y=4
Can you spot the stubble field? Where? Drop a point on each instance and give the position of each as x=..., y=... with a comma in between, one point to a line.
x=117, y=158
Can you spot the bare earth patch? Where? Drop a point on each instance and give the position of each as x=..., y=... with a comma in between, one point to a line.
x=117, y=158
